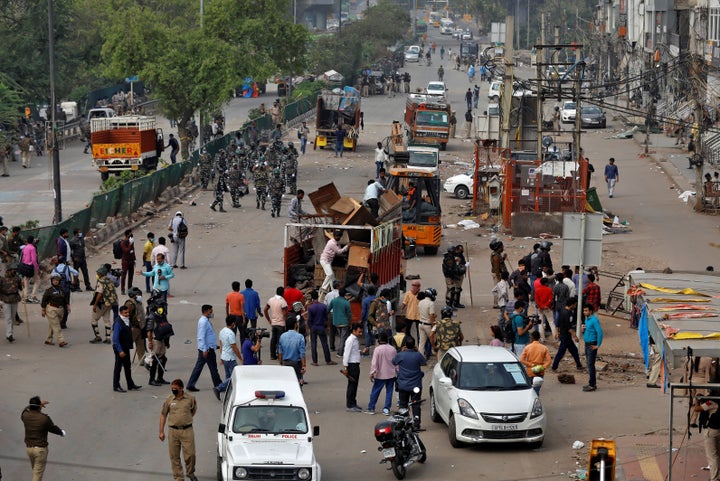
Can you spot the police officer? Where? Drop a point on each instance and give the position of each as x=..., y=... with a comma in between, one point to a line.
x=221, y=185
x=205, y=168
x=53, y=306
x=178, y=411
x=291, y=169
x=136, y=313
x=446, y=333
x=235, y=179
x=37, y=426
x=156, y=314
x=277, y=188
x=260, y=172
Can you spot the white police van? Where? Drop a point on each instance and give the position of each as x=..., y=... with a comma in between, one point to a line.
x=265, y=430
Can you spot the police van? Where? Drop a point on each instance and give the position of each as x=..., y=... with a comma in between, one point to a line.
x=265, y=430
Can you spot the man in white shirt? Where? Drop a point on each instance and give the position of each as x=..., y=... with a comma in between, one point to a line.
x=380, y=158
x=332, y=248
x=229, y=355
x=568, y=281
x=426, y=309
x=351, y=369
x=161, y=248
x=179, y=251
x=373, y=191
x=275, y=312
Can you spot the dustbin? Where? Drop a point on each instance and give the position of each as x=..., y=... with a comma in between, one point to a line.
x=282, y=89
x=592, y=198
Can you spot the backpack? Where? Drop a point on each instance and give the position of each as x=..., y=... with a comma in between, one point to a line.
x=117, y=250
x=182, y=229
x=506, y=326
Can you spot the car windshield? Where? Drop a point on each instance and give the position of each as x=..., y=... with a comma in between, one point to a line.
x=432, y=118
x=569, y=106
x=492, y=376
x=591, y=110
x=436, y=86
x=422, y=159
x=270, y=419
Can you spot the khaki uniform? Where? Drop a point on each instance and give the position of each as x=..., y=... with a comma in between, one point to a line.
x=54, y=303
x=24, y=145
x=106, y=289
x=37, y=427
x=179, y=415
x=447, y=334
x=137, y=324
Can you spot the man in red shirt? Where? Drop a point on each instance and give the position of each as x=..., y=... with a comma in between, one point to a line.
x=235, y=308
x=293, y=295
x=591, y=293
x=544, y=303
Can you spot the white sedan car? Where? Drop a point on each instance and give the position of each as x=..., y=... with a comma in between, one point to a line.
x=461, y=185
x=568, y=112
x=436, y=88
x=412, y=54
x=484, y=395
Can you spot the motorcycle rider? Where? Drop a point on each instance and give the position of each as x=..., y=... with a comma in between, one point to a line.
x=409, y=362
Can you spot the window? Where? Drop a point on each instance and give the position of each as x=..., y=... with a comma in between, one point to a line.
x=270, y=419
x=714, y=24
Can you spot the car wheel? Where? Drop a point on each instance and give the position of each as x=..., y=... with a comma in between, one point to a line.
x=430, y=250
x=219, y=469
x=462, y=192
x=537, y=444
x=452, y=433
x=604, y=125
x=434, y=414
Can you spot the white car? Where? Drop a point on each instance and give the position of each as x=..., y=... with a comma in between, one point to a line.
x=494, y=91
x=467, y=35
x=484, y=395
x=412, y=54
x=436, y=88
x=458, y=33
x=568, y=112
x=461, y=185
x=446, y=30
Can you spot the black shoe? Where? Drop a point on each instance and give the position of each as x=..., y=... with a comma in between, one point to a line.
x=217, y=393
x=88, y=288
x=135, y=388
x=119, y=389
x=192, y=389
x=155, y=383
x=272, y=214
x=213, y=207
x=10, y=338
x=63, y=326
x=163, y=381
x=222, y=210
x=460, y=306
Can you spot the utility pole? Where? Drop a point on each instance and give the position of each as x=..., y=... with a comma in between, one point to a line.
x=54, y=148
x=699, y=100
x=507, y=86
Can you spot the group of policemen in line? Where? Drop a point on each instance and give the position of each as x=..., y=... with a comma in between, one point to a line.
x=273, y=169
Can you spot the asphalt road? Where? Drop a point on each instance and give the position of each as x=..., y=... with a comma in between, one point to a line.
x=113, y=436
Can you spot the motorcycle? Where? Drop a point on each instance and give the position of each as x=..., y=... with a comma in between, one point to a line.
x=399, y=441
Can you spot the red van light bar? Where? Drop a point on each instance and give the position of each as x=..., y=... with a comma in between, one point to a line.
x=269, y=394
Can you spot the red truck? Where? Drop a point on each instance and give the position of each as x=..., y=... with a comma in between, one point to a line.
x=129, y=142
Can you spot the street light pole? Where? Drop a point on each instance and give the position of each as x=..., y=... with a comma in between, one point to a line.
x=57, y=217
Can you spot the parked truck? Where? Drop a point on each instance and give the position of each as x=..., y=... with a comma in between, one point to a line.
x=427, y=122
x=338, y=108
x=129, y=142
x=469, y=51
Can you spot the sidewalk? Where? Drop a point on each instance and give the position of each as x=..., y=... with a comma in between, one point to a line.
x=644, y=458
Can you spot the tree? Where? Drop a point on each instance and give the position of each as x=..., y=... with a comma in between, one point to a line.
x=189, y=68
x=11, y=103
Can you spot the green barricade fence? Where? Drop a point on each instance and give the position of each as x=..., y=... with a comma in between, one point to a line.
x=129, y=197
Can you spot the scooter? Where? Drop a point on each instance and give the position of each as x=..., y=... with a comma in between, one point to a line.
x=399, y=441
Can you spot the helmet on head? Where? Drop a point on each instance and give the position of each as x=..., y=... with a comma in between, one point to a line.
x=297, y=306
x=291, y=145
x=495, y=244
x=546, y=245
x=431, y=293
x=134, y=292
x=55, y=275
x=276, y=172
x=446, y=312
